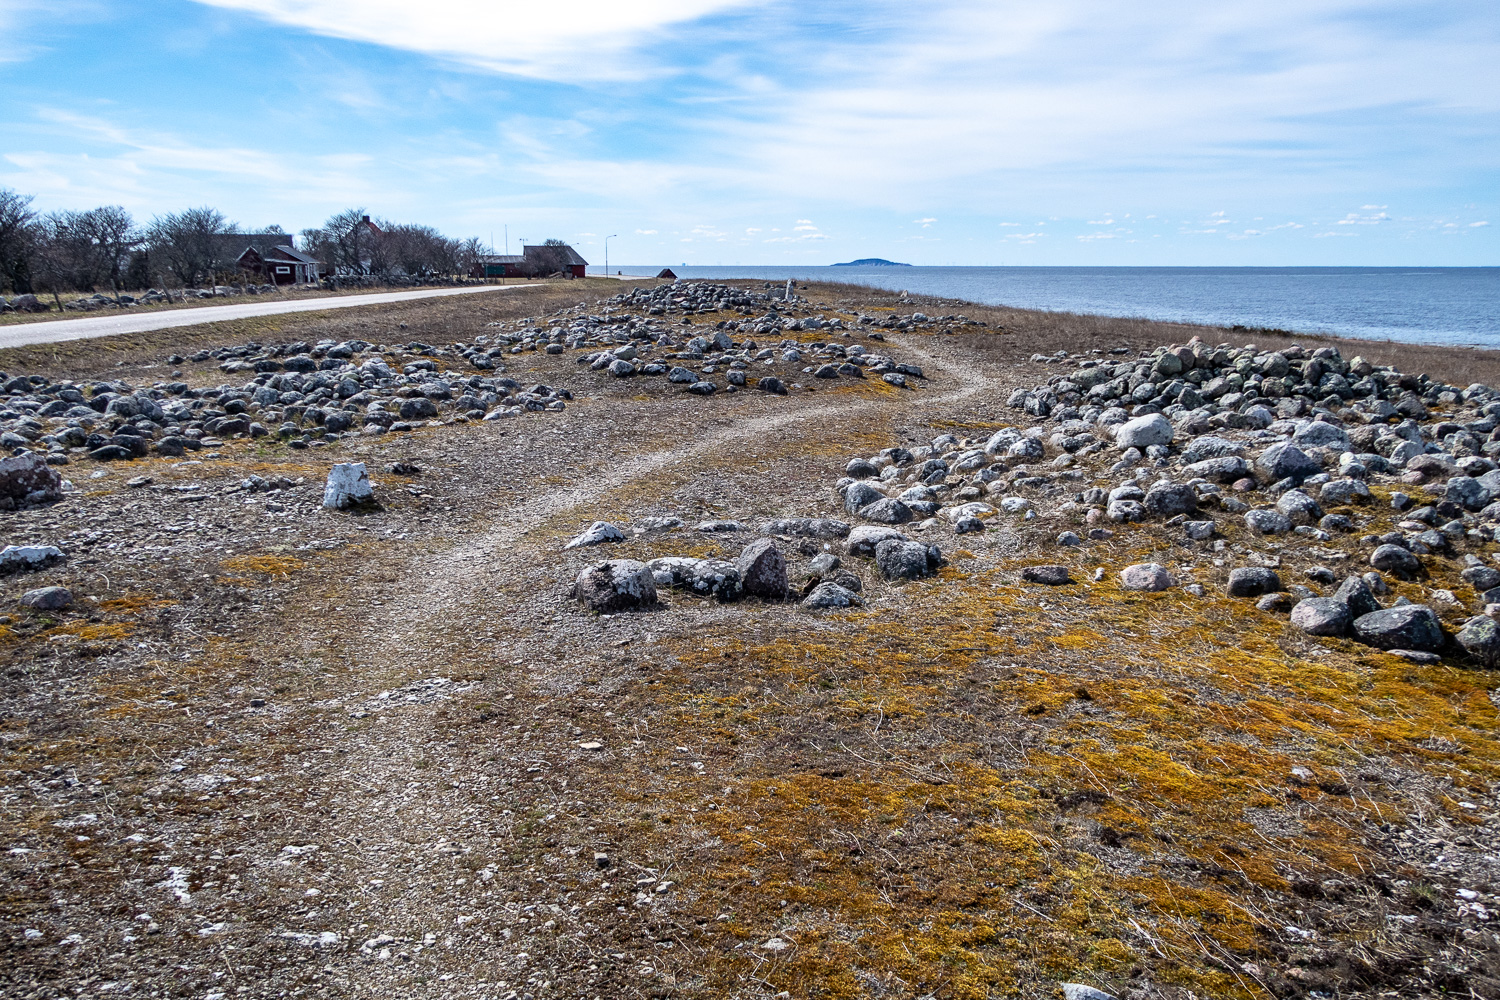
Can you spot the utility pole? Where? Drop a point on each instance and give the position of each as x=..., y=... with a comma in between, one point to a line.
x=606, y=252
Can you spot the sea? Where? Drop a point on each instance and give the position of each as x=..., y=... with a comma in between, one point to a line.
x=1428, y=305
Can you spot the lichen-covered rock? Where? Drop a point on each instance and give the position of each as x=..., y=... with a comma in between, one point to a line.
x=1320, y=434
x=1323, y=616
x=1252, y=581
x=1298, y=507
x=717, y=578
x=887, y=510
x=905, y=560
x=807, y=527
x=762, y=570
x=1286, y=460
x=860, y=494
x=1480, y=636
x=596, y=534
x=863, y=539
x=1267, y=522
x=1468, y=493
x=29, y=479
x=1406, y=626
x=1357, y=595
x=1146, y=576
x=616, y=585
x=831, y=595
x=1390, y=558
x=1170, y=500
x=1341, y=492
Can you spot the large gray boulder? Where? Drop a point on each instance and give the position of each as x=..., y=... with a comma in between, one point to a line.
x=1286, y=460
x=762, y=570
x=831, y=595
x=1480, y=637
x=860, y=494
x=863, y=539
x=1299, y=508
x=1208, y=446
x=1252, y=581
x=717, y=578
x=1405, y=626
x=1319, y=434
x=615, y=585
x=1468, y=493
x=29, y=479
x=1143, y=432
x=1267, y=522
x=47, y=599
x=1390, y=558
x=887, y=510
x=1223, y=470
x=1321, y=616
x=905, y=560
x=1341, y=492
x=1356, y=594
x=807, y=527
x=1171, y=500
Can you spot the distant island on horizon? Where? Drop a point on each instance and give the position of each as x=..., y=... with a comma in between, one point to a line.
x=871, y=262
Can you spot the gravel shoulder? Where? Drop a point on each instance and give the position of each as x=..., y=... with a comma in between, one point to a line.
x=280, y=750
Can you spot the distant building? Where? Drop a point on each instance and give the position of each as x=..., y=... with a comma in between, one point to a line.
x=270, y=258
x=281, y=265
x=532, y=262
x=667, y=274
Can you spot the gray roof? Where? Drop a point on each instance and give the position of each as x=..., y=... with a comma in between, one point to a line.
x=501, y=258
x=295, y=255
x=570, y=256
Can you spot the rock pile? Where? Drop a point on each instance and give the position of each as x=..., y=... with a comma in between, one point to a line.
x=1208, y=440
x=308, y=403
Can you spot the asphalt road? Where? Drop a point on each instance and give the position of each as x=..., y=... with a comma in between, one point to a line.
x=24, y=334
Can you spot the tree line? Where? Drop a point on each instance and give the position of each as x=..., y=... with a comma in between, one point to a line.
x=106, y=249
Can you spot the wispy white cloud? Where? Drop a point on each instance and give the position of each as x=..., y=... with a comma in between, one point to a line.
x=588, y=40
x=1355, y=219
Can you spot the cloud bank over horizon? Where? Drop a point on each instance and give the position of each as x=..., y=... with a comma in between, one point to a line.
x=758, y=131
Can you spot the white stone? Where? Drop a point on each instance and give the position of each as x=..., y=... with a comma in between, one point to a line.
x=348, y=485
x=14, y=558
x=596, y=534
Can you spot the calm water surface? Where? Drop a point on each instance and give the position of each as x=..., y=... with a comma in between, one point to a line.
x=1431, y=305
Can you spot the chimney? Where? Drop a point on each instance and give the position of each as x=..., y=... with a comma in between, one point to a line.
x=366, y=220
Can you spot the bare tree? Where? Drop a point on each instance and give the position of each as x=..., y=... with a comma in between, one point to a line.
x=188, y=244
x=17, y=238
x=346, y=242
x=103, y=238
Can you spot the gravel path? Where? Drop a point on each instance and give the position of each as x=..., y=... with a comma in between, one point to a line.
x=109, y=326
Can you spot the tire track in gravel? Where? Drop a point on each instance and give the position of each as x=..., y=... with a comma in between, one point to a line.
x=971, y=382
x=425, y=812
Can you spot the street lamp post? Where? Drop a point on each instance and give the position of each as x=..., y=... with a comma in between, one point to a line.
x=606, y=252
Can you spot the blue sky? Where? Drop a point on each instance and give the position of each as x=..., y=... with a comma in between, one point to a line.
x=742, y=132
